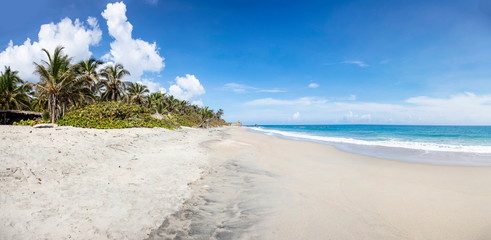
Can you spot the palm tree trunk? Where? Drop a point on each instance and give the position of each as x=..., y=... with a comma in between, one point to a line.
x=53, y=108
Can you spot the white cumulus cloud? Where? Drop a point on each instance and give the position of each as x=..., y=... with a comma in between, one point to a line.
x=313, y=85
x=187, y=88
x=459, y=109
x=350, y=117
x=198, y=103
x=76, y=36
x=136, y=55
x=152, y=85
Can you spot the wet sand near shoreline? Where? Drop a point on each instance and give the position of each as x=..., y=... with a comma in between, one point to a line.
x=225, y=183
x=271, y=188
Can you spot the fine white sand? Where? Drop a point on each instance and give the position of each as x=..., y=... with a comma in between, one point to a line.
x=72, y=183
x=272, y=188
x=135, y=183
x=329, y=194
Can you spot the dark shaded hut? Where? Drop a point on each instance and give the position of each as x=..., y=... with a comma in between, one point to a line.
x=8, y=117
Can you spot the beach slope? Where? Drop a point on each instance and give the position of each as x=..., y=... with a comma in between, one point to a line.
x=73, y=183
x=273, y=188
x=225, y=183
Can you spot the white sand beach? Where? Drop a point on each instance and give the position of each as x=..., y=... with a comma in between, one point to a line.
x=225, y=183
x=73, y=183
x=329, y=194
x=272, y=188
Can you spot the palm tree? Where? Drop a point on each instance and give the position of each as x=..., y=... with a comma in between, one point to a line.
x=195, y=109
x=111, y=82
x=206, y=115
x=219, y=113
x=59, y=85
x=13, y=91
x=182, y=106
x=155, y=101
x=137, y=93
x=88, y=71
x=170, y=103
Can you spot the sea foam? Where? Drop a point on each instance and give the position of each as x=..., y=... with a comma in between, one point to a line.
x=424, y=146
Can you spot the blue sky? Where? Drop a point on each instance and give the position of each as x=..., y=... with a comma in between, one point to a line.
x=291, y=62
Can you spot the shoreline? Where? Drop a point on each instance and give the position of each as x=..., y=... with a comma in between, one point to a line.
x=305, y=190
x=227, y=183
x=410, y=154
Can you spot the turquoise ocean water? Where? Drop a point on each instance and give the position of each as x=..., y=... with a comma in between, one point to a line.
x=441, y=145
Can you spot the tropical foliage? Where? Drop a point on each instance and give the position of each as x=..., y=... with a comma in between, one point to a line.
x=137, y=93
x=30, y=122
x=115, y=115
x=93, y=94
x=112, y=84
x=13, y=91
x=88, y=72
x=59, y=85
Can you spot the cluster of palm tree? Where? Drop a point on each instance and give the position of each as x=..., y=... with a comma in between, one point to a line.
x=14, y=93
x=64, y=86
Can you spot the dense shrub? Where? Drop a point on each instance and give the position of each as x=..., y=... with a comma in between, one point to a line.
x=218, y=122
x=196, y=120
x=105, y=115
x=190, y=120
x=30, y=122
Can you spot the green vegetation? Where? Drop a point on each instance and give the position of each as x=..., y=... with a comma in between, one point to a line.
x=111, y=84
x=30, y=122
x=13, y=91
x=84, y=95
x=115, y=115
x=59, y=84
